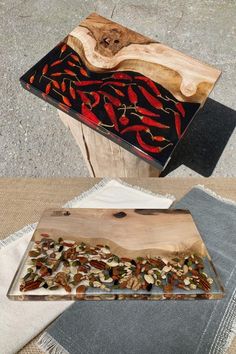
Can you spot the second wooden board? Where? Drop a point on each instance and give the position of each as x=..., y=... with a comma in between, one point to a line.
x=116, y=254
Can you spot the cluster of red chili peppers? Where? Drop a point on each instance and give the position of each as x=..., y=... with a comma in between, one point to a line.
x=129, y=104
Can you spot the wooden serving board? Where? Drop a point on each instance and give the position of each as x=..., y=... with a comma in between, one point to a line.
x=139, y=93
x=75, y=253
x=129, y=233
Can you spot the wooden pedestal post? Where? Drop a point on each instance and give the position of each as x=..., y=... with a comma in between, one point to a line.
x=103, y=157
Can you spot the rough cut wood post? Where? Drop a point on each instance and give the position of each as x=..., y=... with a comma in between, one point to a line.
x=103, y=157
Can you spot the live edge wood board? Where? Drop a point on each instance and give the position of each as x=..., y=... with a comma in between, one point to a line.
x=139, y=93
x=129, y=233
x=76, y=245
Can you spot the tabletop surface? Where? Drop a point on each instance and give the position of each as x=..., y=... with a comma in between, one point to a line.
x=32, y=196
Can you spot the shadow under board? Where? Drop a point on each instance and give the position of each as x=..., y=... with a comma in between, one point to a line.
x=205, y=140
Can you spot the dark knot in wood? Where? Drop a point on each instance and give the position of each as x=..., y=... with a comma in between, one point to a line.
x=67, y=213
x=120, y=215
x=111, y=40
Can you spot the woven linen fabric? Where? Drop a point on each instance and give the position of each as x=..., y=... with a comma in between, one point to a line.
x=178, y=327
x=20, y=321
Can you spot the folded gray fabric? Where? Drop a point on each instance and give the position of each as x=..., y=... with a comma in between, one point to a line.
x=160, y=326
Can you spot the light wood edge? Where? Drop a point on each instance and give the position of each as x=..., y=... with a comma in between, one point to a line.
x=186, y=78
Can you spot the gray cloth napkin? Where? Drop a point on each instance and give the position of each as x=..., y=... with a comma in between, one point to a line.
x=160, y=326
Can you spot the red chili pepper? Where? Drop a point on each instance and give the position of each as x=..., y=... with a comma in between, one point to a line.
x=72, y=92
x=150, y=148
x=150, y=83
x=63, y=86
x=96, y=97
x=180, y=108
x=63, y=48
x=124, y=120
x=136, y=128
x=56, y=63
x=87, y=83
x=132, y=95
x=83, y=72
x=159, y=138
x=66, y=101
x=56, y=84
x=151, y=99
x=114, y=83
x=177, y=124
x=57, y=74
x=151, y=122
x=112, y=99
x=145, y=146
x=31, y=79
x=111, y=114
x=45, y=69
x=118, y=92
x=146, y=112
x=121, y=76
x=73, y=56
x=89, y=114
x=48, y=88
x=84, y=97
x=70, y=63
x=69, y=72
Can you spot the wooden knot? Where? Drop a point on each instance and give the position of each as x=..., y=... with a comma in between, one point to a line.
x=120, y=215
x=106, y=41
x=111, y=41
x=67, y=213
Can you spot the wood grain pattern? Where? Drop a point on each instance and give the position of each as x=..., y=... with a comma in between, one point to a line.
x=137, y=233
x=106, y=45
